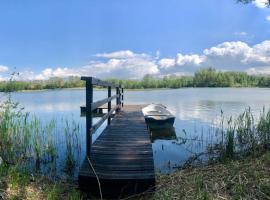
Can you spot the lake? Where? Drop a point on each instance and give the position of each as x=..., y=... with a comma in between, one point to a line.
x=197, y=111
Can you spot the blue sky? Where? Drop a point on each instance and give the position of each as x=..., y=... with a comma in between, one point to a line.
x=128, y=39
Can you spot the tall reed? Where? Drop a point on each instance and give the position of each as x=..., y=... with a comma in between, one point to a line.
x=25, y=139
x=243, y=136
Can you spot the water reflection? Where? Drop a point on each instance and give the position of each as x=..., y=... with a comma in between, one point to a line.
x=163, y=133
x=197, y=111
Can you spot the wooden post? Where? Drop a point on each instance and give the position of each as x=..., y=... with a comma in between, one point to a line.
x=89, y=115
x=109, y=103
x=117, y=98
x=122, y=97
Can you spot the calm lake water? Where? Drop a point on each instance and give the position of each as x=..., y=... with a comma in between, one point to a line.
x=197, y=111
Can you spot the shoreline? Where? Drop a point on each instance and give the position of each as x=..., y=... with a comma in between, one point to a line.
x=247, y=178
x=143, y=89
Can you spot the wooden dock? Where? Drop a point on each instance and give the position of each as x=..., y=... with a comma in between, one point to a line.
x=122, y=156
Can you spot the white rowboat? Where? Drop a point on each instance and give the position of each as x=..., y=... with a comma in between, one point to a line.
x=157, y=113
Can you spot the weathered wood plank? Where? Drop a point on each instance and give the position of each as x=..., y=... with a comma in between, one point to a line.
x=123, y=152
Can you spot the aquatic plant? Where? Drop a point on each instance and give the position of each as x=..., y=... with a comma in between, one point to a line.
x=69, y=161
x=263, y=129
x=230, y=143
x=242, y=136
x=25, y=140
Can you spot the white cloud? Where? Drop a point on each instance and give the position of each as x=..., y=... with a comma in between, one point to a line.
x=237, y=56
x=3, y=68
x=189, y=59
x=259, y=70
x=181, y=64
x=121, y=64
x=234, y=56
x=58, y=72
x=260, y=3
x=131, y=68
x=120, y=55
x=227, y=49
x=166, y=63
x=268, y=18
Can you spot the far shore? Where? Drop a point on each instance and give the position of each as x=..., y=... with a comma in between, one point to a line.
x=142, y=89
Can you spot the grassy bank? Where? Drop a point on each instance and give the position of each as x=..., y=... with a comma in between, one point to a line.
x=19, y=183
x=248, y=178
x=237, y=179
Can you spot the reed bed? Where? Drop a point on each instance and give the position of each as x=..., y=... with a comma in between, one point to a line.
x=27, y=141
x=30, y=152
x=241, y=137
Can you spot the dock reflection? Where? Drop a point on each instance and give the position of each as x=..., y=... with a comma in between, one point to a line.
x=166, y=132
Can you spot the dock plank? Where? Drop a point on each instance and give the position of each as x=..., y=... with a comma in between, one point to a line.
x=121, y=155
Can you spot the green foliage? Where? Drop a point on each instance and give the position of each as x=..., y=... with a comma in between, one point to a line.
x=18, y=176
x=263, y=129
x=25, y=138
x=208, y=77
x=52, y=83
x=212, y=78
x=230, y=146
x=54, y=192
x=71, y=135
x=243, y=137
x=74, y=195
x=200, y=188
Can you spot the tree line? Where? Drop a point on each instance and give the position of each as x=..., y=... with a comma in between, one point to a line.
x=202, y=78
x=52, y=83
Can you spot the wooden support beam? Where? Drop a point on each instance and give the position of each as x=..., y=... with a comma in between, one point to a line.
x=98, y=82
x=102, y=120
x=89, y=117
x=122, y=97
x=109, y=103
x=99, y=103
x=93, y=106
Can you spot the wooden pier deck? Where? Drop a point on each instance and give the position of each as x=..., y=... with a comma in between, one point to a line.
x=122, y=156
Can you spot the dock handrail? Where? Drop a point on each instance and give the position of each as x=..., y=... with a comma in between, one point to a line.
x=91, y=106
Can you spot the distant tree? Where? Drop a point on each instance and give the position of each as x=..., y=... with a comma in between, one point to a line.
x=267, y=2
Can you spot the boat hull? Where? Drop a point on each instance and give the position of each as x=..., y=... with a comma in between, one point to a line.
x=168, y=121
x=156, y=115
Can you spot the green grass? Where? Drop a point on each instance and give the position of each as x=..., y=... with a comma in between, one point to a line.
x=18, y=183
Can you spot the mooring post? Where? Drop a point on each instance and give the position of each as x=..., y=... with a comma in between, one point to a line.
x=109, y=103
x=89, y=115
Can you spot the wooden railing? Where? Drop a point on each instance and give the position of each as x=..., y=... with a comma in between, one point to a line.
x=92, y=106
